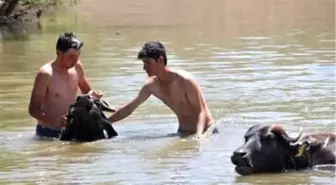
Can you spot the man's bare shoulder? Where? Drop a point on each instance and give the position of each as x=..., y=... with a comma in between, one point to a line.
x=43, y=77
x=46, y=70
x=151, y=82
x=79, y=66
x=183, y=74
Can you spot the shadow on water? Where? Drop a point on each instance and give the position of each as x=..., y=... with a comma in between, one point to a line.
x=289, y=178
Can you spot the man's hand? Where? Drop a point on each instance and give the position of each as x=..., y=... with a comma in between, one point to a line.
x=96, y=93
x=198, y=137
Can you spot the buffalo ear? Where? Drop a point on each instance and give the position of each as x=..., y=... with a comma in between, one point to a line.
x=299, y=149
x=111, y=132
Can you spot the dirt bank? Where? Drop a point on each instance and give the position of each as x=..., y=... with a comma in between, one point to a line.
x=22, y=13
x=25, y=19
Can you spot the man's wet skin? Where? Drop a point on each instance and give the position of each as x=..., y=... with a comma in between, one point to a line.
x=56, y=86
x=177, y=89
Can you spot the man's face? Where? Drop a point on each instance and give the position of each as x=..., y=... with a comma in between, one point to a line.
x=69, y=58
x=151, y=66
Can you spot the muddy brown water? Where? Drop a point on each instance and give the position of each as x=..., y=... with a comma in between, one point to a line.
x=257, y=62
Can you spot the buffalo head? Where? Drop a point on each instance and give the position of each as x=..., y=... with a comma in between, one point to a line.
x=88, y=102
x=267, y=148
x=86, y=120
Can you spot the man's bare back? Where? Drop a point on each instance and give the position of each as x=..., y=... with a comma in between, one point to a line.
x=174, y=94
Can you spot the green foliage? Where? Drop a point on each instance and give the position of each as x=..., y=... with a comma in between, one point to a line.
x=32, y=2
x=26, y=2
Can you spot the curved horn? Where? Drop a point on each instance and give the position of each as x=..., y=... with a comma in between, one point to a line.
x=277, y=129
x=104, y=105
x=292, y=139
x=107, y=106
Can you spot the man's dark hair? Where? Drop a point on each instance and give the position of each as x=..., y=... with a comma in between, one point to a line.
x=153, y=49
x=68, y=40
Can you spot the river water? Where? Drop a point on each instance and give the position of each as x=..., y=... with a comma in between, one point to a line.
x=259, y=61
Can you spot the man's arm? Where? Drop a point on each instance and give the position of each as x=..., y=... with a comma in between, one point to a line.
x=127, y=109
x=38, y=96
x=83, y=82
x=195, y=96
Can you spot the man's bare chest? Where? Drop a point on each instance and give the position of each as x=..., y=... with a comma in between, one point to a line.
x=173, y=94
x=63, y=84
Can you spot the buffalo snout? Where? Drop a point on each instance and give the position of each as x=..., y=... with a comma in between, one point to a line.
x=238, y=156
x=241, y=159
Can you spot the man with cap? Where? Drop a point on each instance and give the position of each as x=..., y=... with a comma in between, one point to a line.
x=56, y=84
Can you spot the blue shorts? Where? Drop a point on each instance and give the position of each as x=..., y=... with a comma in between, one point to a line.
x=47, y=131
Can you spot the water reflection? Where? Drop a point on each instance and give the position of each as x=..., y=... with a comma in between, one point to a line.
x=20, y=31
x=284, y=178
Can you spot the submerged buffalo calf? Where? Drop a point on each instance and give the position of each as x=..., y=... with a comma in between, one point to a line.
x=268, y=148
x=86, y=121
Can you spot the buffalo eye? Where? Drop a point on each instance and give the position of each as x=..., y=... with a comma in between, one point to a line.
x=268, y=137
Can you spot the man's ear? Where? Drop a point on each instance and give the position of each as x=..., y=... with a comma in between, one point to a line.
x=161, y=60
x=58, y=53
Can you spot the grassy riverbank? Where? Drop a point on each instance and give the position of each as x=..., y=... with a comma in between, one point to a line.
x=25, y=10
x=27, y=17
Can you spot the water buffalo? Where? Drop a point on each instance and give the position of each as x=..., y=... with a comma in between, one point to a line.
x=268, y=148
x=86, y=121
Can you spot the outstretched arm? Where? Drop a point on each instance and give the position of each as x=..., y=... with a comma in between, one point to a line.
x=127, y=109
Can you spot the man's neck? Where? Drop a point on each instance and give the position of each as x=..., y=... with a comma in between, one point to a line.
x=165, y=75
x=59, y=67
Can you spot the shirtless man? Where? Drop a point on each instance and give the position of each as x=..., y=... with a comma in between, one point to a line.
x=56, y=85
x=177, y=89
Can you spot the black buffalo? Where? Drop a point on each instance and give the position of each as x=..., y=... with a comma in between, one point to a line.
x=86, y=121
x=268, y=148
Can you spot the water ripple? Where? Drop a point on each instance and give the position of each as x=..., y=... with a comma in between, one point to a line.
x=285, y=77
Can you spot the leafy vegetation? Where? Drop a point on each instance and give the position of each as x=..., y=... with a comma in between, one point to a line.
x=26, y=2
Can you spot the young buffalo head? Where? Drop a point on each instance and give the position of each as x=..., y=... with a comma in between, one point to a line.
x=86, y=121
x=267, y=148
